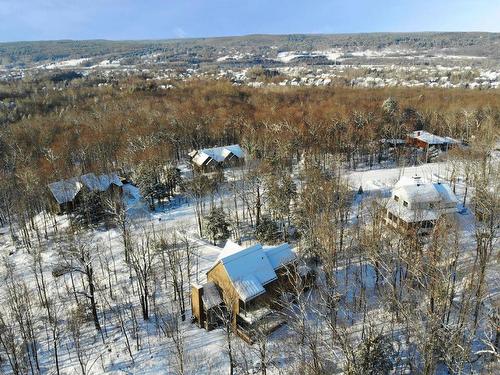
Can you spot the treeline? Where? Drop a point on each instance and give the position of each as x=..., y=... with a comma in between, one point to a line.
x=26, y=53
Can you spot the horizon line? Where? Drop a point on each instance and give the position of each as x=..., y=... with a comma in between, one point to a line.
x=245, y=35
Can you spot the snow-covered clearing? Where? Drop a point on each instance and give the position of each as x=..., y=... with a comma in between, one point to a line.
x=66, y=63
x=383, y=179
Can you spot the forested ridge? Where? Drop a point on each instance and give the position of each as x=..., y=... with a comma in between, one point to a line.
x=28, y=53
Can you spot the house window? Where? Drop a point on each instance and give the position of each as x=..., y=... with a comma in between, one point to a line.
x=405, y=203
x=243, y=308
x=427, y=224
x=396, y=198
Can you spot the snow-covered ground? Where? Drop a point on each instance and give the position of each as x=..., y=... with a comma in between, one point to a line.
x=205, y=351
x=379, y=180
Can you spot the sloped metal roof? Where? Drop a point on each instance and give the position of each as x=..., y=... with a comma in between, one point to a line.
x=65, y=191
x=251, y=268
x=211, y=296
x=219, y=154
x=280, y=255
x=248, y=287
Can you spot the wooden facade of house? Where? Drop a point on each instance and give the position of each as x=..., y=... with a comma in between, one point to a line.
x=248, y=281
x=65, y=207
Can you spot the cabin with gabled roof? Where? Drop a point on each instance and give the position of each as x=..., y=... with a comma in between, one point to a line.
x=424, y=140
x=217, y=157
x=66, y=195
x=244, y=282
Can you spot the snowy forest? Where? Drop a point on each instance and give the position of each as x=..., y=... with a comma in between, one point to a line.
x=105, y=286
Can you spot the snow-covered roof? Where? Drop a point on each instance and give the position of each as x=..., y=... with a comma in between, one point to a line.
x=65, y=191
x=249, y=269
x=417, y=193
x=280, y=255
x=200, y=158
x=211, y=296
x=249, y=287
x=446, y=193
x=433, y=139
x=229, y=248
x=101, y=182
x=219, y=154
x=419, y=190
x=236, y=150
x=409, y=181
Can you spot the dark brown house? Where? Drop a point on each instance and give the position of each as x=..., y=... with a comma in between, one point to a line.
x=424, y=140
x=66, y=195
x=209, y=159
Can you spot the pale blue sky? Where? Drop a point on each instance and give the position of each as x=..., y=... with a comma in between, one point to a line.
x=160, y=19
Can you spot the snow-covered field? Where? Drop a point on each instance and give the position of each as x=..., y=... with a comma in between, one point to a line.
x=288, y=56
x=65, y=64
x=384, y=53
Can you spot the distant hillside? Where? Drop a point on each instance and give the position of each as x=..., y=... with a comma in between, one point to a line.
x=252, y=47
